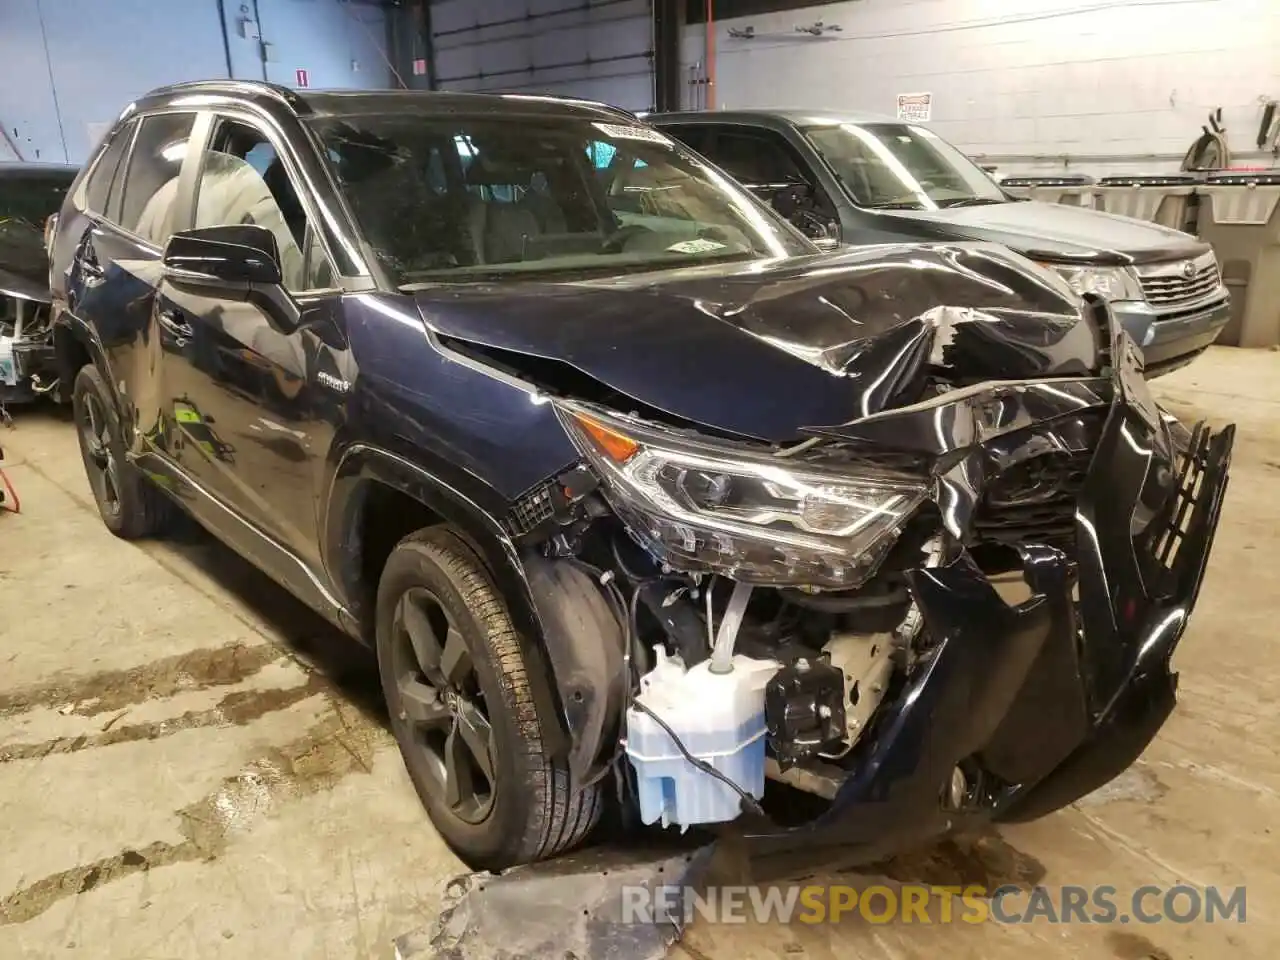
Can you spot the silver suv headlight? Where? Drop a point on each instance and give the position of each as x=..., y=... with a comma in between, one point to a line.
x=1109, y=283
x=701, y=504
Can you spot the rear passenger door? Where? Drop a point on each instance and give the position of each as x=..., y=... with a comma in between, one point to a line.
x=136, y=197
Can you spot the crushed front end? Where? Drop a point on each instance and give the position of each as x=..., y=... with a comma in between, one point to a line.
x=965, y=607
x=27, y=362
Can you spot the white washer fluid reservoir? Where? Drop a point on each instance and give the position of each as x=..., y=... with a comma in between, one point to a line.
x=719, y=717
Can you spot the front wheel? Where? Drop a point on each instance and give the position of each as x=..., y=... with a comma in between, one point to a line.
x=463, y=713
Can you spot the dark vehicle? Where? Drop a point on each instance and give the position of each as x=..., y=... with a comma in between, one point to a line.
x=873, y=180
x=520, y=392
x=29, y=194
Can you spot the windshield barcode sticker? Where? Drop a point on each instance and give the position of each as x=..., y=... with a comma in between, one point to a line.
x=620, y=131
x=701, y=245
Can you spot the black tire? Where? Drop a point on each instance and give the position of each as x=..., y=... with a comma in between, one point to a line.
x=129, y=504
x=525, y=812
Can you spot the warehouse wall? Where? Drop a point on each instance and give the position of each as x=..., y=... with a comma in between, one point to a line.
x=601, y=50
x=105, y=53
x=1024, y=82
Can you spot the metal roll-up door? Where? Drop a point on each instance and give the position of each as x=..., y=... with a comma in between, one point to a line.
x=600, y=51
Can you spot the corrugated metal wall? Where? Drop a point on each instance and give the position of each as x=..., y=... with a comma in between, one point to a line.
x=68, y=67
x=602, y=49
x=1015, y=80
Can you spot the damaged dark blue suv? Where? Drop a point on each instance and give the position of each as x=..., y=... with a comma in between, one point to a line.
x=639, y=497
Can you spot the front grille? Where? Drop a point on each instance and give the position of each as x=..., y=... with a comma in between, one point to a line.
x=1034, y=501
x=1164, y=537
x=1169, y=285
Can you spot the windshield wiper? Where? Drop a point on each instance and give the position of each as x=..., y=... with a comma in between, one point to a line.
x=969, y=202
x=901, y=203
x=421, y=279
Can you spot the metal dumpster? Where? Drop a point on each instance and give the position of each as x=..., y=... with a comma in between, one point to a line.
x=1072, y=190
x=1239, y=215
x=1165, y=200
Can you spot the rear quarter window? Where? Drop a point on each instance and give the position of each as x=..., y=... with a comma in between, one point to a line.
x=97, y=190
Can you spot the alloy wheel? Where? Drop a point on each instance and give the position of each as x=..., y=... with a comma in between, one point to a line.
x=440, y=702
x=100, y=462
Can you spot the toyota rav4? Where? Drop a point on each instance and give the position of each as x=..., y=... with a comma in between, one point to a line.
x=639, y=497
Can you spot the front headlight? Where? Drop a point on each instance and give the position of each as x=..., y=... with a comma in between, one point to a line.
x=1109, y=283
x=698, y=504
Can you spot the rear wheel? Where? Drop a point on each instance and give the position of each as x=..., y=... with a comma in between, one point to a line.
x=130, y=505
x=462, y=710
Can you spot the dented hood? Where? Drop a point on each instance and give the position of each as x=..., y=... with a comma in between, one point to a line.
x=768, y=349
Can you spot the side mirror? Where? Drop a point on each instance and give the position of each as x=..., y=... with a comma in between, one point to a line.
x=241, y=260
x=239, y=255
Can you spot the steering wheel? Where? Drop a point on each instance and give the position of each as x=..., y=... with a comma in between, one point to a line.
x=617, y=241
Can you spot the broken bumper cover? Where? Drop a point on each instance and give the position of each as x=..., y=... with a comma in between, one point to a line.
x=1043, y=701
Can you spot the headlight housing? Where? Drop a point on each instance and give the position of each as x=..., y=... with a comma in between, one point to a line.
x=699, y=504
x=1109, y=283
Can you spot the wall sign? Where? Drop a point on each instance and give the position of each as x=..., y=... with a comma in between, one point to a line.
x=305, y=81
x=419, y=67
x=915, y=107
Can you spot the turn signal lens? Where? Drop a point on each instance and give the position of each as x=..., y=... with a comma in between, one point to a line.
x=619, y=447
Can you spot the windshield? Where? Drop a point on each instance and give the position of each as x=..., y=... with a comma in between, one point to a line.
x=443, y=198
x=902, y=166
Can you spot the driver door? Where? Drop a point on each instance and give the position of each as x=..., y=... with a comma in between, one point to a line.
x=251, y=416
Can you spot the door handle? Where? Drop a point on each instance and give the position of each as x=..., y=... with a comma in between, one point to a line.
x=172, y=321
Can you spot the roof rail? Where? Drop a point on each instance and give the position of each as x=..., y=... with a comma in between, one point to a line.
x=564, y=98
x=275, y=90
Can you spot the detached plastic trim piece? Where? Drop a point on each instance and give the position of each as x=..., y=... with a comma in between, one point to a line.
x=569, y=907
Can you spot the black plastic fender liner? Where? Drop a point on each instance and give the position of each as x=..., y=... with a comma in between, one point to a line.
x=585, y=645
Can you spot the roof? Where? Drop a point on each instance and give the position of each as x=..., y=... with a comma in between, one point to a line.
x=352, y=102
x=774, y=117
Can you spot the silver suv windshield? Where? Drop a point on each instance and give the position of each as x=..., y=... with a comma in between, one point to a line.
x=456, y=198
x=900, y=166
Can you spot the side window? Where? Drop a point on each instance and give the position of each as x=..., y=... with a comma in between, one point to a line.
x=755, y=158
x=151, y=182
x=103, y=175
x=692, y=136
x=244, y=180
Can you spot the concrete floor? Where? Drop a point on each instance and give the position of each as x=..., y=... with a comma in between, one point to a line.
x=193, y=765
